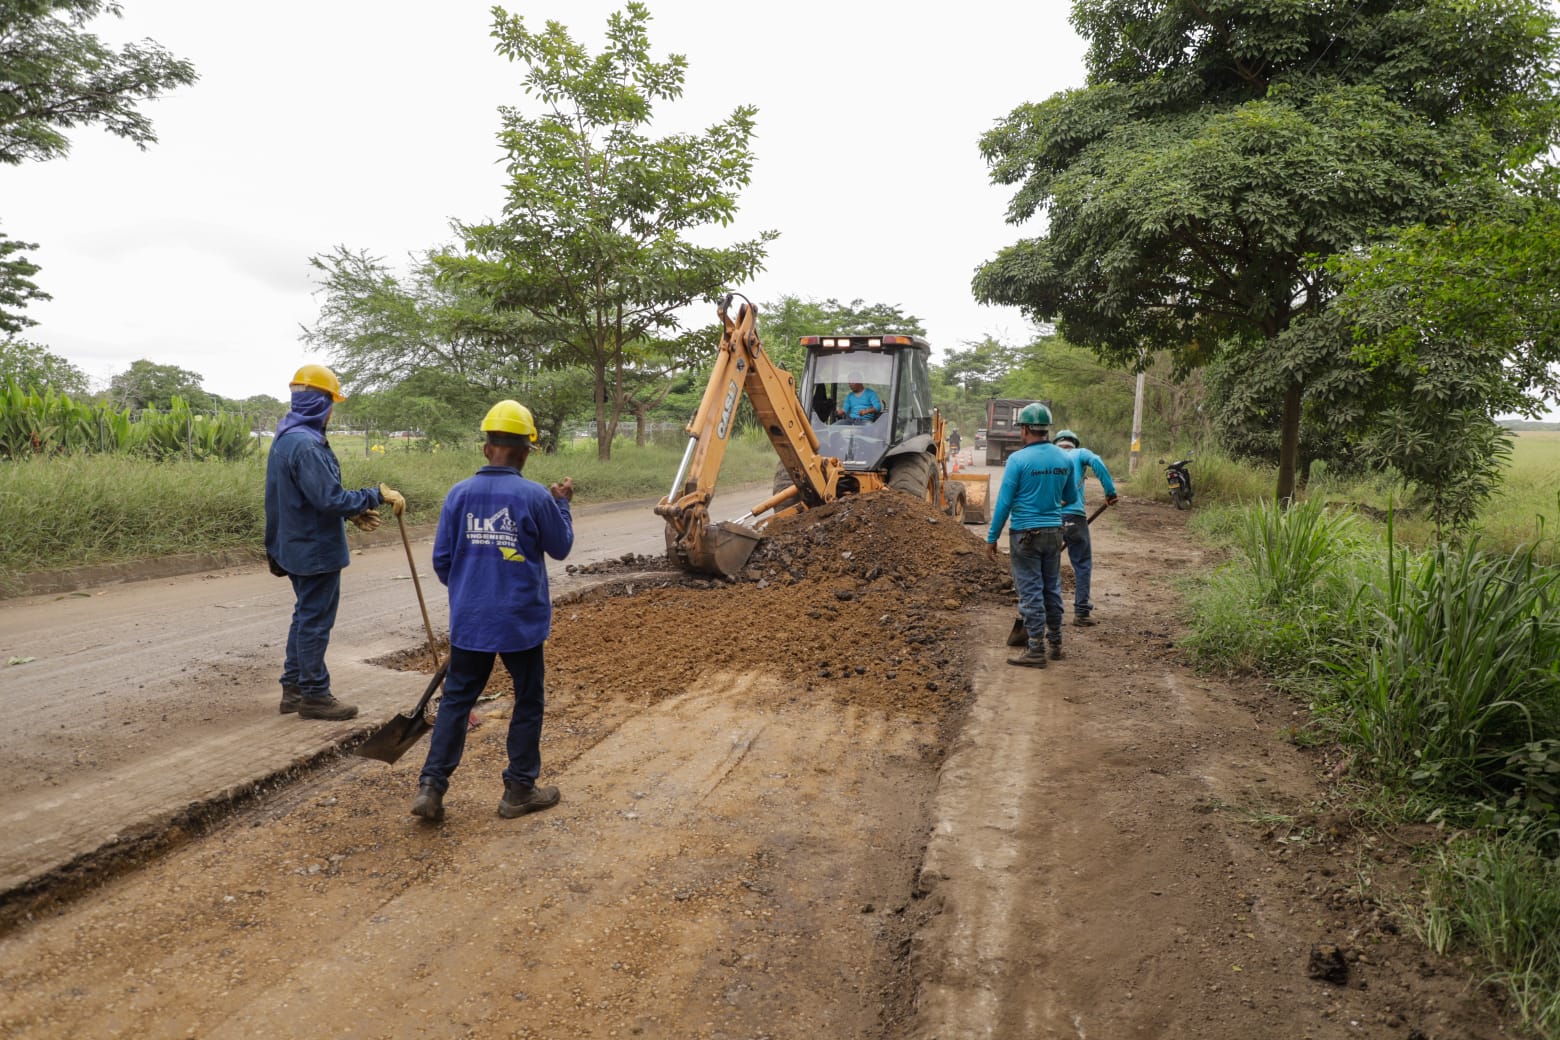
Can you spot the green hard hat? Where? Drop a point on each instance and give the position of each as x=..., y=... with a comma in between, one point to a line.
x=1066, y=435
x=1035, y=414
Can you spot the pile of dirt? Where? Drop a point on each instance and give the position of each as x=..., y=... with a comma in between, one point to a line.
x=857, y=601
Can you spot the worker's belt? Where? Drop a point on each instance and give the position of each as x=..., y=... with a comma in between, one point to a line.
x=1039, y=539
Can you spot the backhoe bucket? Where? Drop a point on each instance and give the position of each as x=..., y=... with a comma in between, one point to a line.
x=977, y=496
x=721, y=548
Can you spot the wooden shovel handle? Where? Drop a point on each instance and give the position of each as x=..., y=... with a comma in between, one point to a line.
x=427, y=625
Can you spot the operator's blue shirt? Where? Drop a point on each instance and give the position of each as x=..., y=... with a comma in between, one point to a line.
x=305, y=503
x=1082, y=457
x=1036, y=481
x=493, y=531
x=858, y=405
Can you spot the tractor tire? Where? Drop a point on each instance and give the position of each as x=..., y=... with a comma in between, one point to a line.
x=956, y=503
x=915, y=475
x=782, y=479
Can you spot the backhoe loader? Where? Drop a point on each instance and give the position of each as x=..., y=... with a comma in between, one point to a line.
x=824, y=452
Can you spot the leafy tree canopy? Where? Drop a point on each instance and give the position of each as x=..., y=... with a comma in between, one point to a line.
x=591, y=244
x=29, y=365
x=146, y=385
x=783, y=323
x=382, y=328
x=56, y=76
x=1221, y=144
x=1476, y=294
x=17, y=288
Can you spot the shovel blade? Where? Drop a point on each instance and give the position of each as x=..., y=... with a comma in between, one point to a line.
x=394, y=739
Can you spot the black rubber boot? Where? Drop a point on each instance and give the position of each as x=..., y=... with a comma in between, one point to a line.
x=429, y=803
x=292, y=697
x=327, y=708
x=1019, y=636
x=520, y=799
x=1056, y=651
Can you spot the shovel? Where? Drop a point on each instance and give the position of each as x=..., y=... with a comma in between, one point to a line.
x=394, y=738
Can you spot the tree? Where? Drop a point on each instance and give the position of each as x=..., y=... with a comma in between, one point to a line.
x=29, y=365
x=784, y=322
x=17, y=288
x=382, y=328
x=56, y=76
x=1220, y=145
x=979, y=368
x=146, y=385
x=591, y=243
x=1479, y=294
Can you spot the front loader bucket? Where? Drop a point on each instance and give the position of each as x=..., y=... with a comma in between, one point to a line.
x=721, y=548
x=977, y=496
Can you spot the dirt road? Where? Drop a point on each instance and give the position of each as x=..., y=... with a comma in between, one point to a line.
x=813, y=804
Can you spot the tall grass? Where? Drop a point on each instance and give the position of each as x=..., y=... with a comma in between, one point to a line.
x=1454, y=680
x=1439, y=664
x=65, y=512
x=1284, y=597
x=1501, y=896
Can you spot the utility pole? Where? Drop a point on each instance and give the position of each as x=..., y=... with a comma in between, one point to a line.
x=1137, y=427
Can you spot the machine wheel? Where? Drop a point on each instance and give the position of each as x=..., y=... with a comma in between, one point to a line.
x=915, y=475
x=782, y=479
x=1181, y=498
x=956, y=504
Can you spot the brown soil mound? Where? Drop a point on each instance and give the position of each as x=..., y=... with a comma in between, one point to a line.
x=856, y=600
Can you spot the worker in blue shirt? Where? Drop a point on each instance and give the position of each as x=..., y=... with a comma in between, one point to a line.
x=862, y=405
x=1036, y=481
x=495, y=530
x=1075, y=522
x=305, y=540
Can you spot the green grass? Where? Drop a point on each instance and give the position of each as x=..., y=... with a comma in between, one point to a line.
x=81, y=510
x=1527, y=506
x=1439, y=665
x=1500, y=896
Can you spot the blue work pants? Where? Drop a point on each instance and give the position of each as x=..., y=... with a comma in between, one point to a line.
x=316, y=597
x=1036, y=557
x=1075, y=531
x=463, y=684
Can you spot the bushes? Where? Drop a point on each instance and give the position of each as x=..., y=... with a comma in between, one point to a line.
x=1455, y=682
x=46, y=423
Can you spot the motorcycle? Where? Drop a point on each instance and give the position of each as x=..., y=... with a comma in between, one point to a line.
x=1179, y=479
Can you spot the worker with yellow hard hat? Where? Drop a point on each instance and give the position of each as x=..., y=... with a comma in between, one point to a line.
x=305, y=540
x=495, y=531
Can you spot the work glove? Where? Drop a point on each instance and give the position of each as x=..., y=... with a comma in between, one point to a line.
x=366, y=521
x=395, y=498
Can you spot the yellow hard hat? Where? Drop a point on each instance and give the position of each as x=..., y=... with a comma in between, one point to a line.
x=319, y=377
x=510, y=417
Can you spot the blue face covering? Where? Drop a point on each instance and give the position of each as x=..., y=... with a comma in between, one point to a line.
x=310, y=410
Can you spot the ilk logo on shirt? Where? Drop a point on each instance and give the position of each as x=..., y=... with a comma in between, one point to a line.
x=497, y=530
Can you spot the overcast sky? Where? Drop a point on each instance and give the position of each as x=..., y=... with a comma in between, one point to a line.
x=372, y=125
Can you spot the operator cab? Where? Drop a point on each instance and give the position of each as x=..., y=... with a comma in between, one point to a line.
x=866, y=396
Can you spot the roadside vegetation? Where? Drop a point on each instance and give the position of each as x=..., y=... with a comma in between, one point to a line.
x=72, y=511
x=1434, y=664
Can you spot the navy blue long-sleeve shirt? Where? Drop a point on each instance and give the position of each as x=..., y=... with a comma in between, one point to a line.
x=494, y=530
x=305, y=504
